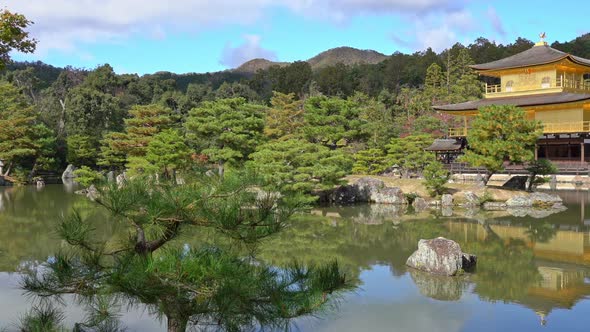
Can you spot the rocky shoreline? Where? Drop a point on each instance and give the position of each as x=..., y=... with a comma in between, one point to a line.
x=373, y=190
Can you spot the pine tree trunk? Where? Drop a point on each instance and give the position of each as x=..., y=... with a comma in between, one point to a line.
x=176, y=325
x=529, y=186
x=220, y=169
x=487, y=178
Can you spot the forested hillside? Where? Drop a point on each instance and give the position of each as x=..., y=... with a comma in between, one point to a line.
x=338, y=116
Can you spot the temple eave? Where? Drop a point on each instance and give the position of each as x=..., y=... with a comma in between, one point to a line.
x=520, y=101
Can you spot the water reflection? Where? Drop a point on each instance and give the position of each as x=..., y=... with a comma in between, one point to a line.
x=541, y=264
x=538, y=261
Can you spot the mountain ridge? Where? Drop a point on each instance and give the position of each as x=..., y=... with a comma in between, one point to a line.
x=343, y=54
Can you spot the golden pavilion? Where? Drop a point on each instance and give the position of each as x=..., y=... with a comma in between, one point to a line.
x=551, y=86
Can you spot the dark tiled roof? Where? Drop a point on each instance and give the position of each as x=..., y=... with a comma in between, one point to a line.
x=531, y=100
x=536, y=55
x=444, y=145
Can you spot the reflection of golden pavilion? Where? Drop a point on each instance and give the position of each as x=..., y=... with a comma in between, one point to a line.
x=565, y=246
x=563, y=263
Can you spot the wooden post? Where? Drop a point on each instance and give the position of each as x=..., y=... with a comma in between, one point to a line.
x=582, y=209
x=546, y=151
x=582, y=152
x=536, y=152
x=465, y=125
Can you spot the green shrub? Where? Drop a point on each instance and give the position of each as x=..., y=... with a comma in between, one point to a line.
x=86, y=176
x=436, y=178
x=486, y=197
x=411, y=197
x=537, y=169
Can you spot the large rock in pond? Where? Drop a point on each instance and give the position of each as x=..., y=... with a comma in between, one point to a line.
x=369, y=185
x=520, y=201
x=364, y=190
x=90, y=192
x=388, y=195
x=545, y=200
x=536, y=199
x=419, y=204
x=446, y=200
x=68, y=174
x=470, y=199
x=441, y=256
x=359, y=192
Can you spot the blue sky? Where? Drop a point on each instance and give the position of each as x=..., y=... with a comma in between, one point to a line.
x=144, y=36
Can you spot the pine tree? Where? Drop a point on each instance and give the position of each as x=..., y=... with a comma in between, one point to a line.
x=467, y=86
x=333, y=122
x=202, y=285
x=284, y=117
x=298, y=166
x=499, y=134
x=436, y=178
x=168, y=153
x=145, y=122
x=226, y=130
x=409, y=155
x=378, y=122
x=82, y=150
x=16, y=128
x=370, y=161
x=434, y=84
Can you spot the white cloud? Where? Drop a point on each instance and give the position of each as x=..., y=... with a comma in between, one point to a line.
x=437, y=37
x=437, y=31
x=496, y=21
x=233, y=57
x=344, y=9
x=64, y=24
x=67, y=24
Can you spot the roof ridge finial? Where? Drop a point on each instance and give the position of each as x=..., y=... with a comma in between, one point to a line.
x=542, y=42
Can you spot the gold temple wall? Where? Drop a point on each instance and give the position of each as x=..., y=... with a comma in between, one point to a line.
x=563, y=115
x=532, y=81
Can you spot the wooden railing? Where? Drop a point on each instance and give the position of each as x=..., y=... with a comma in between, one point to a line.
x=563, y=167
x=458, y=132
x=557, y=82
x=548, y=128
x=563, y=82
x=496, y=88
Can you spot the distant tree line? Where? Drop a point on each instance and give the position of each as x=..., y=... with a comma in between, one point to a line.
x=348, y=115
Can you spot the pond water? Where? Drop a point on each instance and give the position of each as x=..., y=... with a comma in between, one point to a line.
x=533, y=272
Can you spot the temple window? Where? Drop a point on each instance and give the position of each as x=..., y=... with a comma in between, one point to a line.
x=546, y=82
x=509, y=86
